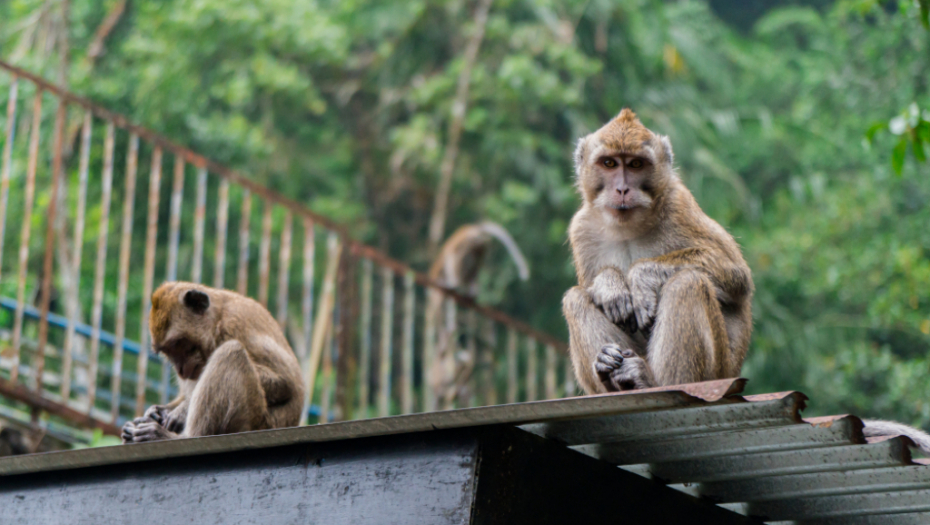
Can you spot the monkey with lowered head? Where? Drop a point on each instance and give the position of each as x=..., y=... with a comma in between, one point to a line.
x=664, y=295
x=235, y=368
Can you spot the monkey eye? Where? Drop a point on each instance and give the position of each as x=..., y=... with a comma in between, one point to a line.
x=609, y=163
x=636, y=163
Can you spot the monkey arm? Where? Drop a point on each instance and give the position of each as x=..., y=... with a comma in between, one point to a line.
x=609, y=292
x=732, y=279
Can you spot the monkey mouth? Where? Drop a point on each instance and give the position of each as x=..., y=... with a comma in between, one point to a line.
x=622, y=210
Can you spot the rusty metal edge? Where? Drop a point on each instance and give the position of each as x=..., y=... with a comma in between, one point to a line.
x=356, y=247
x=514, y=414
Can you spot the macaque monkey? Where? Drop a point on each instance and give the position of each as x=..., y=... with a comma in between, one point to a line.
x=235, y=368
x=664, y=295
x=462, y=255
x=457, y=267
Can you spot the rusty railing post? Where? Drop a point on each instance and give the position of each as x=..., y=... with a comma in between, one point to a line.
x=29, y=200
x=123, y=285
x=100, y=268
x=48, y=262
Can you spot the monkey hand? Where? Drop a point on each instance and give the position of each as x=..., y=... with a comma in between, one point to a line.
x=142, y=429
x=156, y=413
x=610, y=293
x=622, y=369
x=645, y=281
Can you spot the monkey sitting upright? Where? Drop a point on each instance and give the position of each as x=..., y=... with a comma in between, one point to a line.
x=235, y=368
x=664, y=295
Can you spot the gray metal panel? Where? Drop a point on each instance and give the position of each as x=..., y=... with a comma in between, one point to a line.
x=577, y=407
x=818, y=484
x=911, y=518
x=673, y=423
x=846, y=431
x=839, y=506
x=430, y=482
x=892, y=452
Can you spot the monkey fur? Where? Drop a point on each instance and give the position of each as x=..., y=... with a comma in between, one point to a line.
x=457, y=266
x=235, y=369
x=664, y=295
x=462, y=254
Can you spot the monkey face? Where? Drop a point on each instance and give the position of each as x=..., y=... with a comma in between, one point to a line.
x=622, y=167
x=181, y=322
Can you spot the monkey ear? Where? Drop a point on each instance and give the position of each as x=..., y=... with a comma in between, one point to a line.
x=667, y=149
x=196, y=301
x=580, y=152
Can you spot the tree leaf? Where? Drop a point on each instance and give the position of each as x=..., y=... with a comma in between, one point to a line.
x=873, y=129
x=897, y=156
x=919, y=148
x=924, y=12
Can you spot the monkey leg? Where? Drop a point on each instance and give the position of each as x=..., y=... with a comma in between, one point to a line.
x=689, y=339
x=589, y=332
x=229, y=396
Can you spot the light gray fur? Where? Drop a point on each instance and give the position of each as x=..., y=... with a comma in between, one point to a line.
x=882, y=428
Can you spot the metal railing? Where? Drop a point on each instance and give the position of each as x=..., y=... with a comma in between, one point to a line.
x=370, y=332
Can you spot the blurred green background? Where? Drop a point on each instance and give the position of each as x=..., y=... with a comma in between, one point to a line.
x=799, y=126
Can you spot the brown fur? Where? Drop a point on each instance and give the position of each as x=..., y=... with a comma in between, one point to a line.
x=235, y=368
x=655, y=274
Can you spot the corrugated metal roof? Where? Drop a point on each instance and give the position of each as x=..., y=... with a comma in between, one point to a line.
x=752, y=454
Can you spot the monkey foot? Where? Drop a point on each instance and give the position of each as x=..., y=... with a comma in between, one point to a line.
x=621, y=369
x=141, y=430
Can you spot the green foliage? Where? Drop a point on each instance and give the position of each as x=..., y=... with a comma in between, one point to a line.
x=346, y=105
x=99, y=440
x=913, y=128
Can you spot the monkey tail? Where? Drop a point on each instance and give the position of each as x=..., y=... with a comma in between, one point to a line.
x=881, y=428
x=499, y=233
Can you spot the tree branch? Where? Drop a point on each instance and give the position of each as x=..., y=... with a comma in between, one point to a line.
x=459, y=106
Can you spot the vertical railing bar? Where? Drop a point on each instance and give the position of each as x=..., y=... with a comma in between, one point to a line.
x=570, y=387
x=264, y=255
x=364, y=365
x=148, y=273
x=551, y=370
x=222, y=222
x=7, y=168
x=174, y=222
x=387, y=334
x=327, y=371
x=75, y=269
x=100, y=267
x=306, y=303
x=531, y=365
x=431, y=315
x=123, y=284
x=200, y=213
x=48, y=259
x=174, y=238
x=242, y=279
x=284, y=268
x=511, y=365
x=406, y=399
x=324, y=315
x=449, y=333
x=470, y=379
x=489, y=394
x=28, y=198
